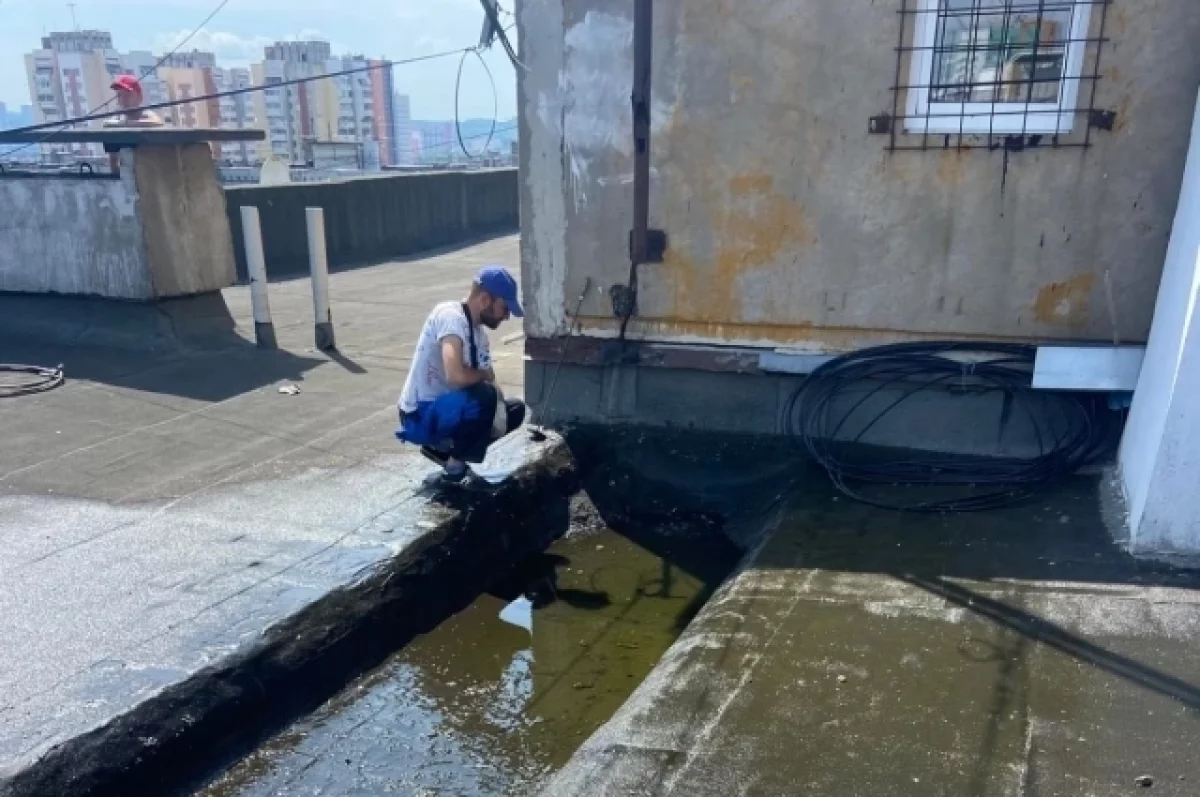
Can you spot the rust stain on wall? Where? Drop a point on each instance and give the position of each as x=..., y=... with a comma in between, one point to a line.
x=951, y=167
x=752, y=224
x=1065, y=303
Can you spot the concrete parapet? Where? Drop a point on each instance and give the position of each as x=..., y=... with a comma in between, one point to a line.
x=157, y=231
x=376, y=218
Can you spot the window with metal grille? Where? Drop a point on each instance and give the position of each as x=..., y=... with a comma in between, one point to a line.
x=996, y=69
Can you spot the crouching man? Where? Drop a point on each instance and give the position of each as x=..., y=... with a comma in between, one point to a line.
x=451, y=405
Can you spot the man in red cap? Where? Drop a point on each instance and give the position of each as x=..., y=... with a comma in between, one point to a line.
x=129, y=100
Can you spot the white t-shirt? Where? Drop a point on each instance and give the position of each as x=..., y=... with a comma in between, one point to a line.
x=427, y=377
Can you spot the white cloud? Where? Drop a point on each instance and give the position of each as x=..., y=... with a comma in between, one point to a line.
x=230, y=46
x=226, y=46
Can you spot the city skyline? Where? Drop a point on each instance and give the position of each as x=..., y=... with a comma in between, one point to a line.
x=238, y=35
x=71, y=72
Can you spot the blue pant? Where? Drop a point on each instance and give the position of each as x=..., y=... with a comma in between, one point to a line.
x=459, y=422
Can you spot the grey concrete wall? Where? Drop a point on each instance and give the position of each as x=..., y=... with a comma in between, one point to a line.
x=158, y=231
x=978, y=424
x=72, y=236
x=188, y=242
x=375, y=218
x=791, y=225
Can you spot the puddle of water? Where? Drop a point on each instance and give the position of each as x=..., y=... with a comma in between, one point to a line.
x=480, y=706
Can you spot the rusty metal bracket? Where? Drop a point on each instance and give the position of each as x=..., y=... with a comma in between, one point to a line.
x=1102, y=119
x=624, y=301
x=880, y=125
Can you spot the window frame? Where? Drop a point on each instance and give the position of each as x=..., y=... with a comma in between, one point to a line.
x=972, y=118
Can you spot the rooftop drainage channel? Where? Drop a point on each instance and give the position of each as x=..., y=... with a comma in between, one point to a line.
x=498, y=698
x=182, y=734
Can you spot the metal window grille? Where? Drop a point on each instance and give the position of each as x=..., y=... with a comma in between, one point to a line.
x=996, y=74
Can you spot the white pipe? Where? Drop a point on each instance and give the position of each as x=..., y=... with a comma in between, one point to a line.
x=319, y=266
x=256, y=270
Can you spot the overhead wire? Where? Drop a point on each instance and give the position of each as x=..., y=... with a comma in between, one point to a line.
x=248, y=89
x=457, y=107
x=463, y=52
x=154, y=69
x=839, y=416
x=457, y=142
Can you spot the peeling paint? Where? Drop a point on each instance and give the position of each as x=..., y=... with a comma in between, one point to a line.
x=850, y=243
x=544, y=214
x=597, y=118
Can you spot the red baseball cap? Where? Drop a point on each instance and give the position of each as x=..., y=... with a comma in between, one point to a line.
x=126, y=83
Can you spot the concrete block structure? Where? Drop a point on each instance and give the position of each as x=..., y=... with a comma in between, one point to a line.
x=158, y=230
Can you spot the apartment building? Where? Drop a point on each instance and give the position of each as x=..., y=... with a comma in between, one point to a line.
x=236, y=112
x=402, y=143
x=290, y=114
x=185, y=83
x=351, y=108
x=69, y=76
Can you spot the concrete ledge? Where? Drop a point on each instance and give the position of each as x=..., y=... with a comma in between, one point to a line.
x=179, y=731
x=855, y=652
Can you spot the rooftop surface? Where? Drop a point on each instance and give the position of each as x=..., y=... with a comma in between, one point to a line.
x=1018, y=652
x=169, y=503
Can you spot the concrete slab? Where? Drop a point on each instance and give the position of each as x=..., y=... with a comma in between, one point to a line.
x=163, y=516
x=1017, y=653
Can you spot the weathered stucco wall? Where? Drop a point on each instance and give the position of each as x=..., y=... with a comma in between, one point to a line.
x=791, y=225
x=72, y=236
x=158, y=231
x=188, y=242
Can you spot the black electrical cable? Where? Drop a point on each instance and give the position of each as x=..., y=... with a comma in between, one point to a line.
x=457, y=113
x=30, y=379
x=67, y=123
x=93, y=117
x=832, y=414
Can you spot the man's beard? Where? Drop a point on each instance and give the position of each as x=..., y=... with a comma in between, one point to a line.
x=490, y=321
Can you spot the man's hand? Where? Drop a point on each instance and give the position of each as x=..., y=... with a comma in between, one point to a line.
x=457, y=374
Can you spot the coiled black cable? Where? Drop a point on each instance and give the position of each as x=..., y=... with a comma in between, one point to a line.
x=29, y=379
x=839, y=411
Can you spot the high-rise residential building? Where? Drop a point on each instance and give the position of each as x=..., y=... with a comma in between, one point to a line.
x=383, y=93
x=290, y=114
x=403, y=131
x=196, y=59
x=343, y=108
x=70, y=76
x=183, y=83
x=4, y=123
x=236, y=112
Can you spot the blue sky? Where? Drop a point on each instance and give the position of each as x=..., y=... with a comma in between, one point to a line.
x=393, y=28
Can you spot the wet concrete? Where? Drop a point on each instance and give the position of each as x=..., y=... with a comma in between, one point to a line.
x=481, y=706
x=1020, y=652
x=177, y=537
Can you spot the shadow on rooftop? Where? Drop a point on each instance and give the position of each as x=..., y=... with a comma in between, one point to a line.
x=185, y=347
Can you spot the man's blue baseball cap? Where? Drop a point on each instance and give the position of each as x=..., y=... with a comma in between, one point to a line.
x=499, y=283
